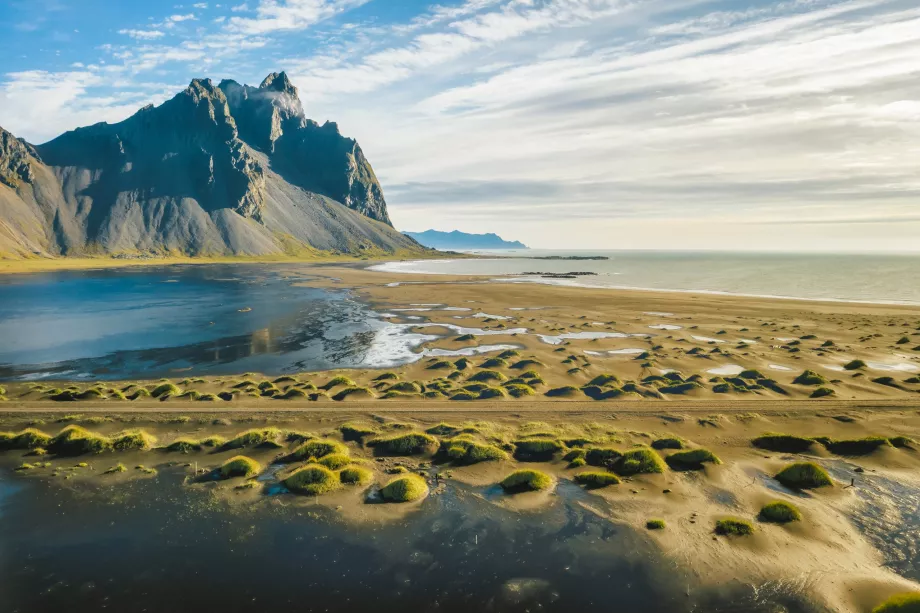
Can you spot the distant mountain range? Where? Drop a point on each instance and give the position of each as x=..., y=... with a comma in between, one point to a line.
x=218, y=169
x=457, y=240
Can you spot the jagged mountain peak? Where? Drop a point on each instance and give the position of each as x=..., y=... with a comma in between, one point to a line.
x=279, y=82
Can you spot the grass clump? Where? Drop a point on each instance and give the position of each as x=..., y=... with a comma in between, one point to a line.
x=356, y=432
x=129, y=440
x=494, y=363
x=254, y=438
x=405, y=489
x=465, y=451
x=785, y=443
x=537, y=449
x=810, y=377
x=804, y=475
x=239, y=466
x=641, y=460
x=337, y=382
x=779, y=512
x=900, y=603
x=75, y=440
x=596, y=479
x=362, y=392
x=519, y=390
x=334, y=461
x=316, y=448
x=184, y=445
x=440, y=365
x=602, y=456
x=484, y=376
x=30, y=438
x=406, y=386
x=605, y=379
x=387, y=376
x=566, y=391
x=667, y=443
x=822, y=392
x=732, y=526
x=443, y=429
x=854, y=365
x=355, y=475
x=292, y=393
x=118, y=468
x=463, y=395
x=410, y=443
x=526, y=481
x=692, y=459
x=857, y=447
x=655, y=524
x=312, y=480
x=165, y=389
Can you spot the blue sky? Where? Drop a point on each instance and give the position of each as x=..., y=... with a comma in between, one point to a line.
x=789, y=125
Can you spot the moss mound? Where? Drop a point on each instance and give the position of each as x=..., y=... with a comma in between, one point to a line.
x=337, y=382
x=857, y=447
x=405, y=489
x=692, y=459
x=810, y=377
x=804, y=475
x=537, y=449
x=129, y=440
x=463, y=395
x=605, y=379
x=465, y=451
x=165, y=389
x=779, y=512
x=785, y=443
x=30, y=438
x=822, y=392
x=484, y=376
x=566, y=391
x=253, y=438
x=293, y=393
x=527, y=363
x=356, y=432
x=355, y=475
x=387, y=376
x=526, y=481
x=639, y=461
x=854, y=365
x=732, y=526
x=655, y=524
x=312, y=480
x=410, y=443
x=596, y=479
x=409, y=387
x=519, y=390
x=184, y=445
x=443, y=429
x=602, y=456
x=494, y=363
x=900, y=603
x=239, y=466
x=667, y=443
x=316, y=448
x=353, y=393
x=75, y=440
x=334, y=461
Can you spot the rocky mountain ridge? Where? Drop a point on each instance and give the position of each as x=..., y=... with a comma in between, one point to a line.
x=226, y=169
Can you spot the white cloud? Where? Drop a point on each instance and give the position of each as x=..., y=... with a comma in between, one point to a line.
x=285, y=15
x=143, y=34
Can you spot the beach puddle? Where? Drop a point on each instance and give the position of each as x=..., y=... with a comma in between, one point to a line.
x=900, y=367
x=665, y=327
x=728, y=370
x=611, y=352
x=558, y=339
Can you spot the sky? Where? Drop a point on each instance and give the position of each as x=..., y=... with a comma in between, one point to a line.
x=656, y=124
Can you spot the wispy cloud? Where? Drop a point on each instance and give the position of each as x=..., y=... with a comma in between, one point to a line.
x=143, y=34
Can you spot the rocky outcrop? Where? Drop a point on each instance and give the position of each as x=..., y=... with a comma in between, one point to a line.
x=215, y=170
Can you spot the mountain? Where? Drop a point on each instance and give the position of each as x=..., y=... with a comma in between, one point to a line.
x=225, y=169
x=457, y=240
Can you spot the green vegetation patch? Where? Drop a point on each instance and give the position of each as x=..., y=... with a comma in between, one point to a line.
x=312, y=480
x=464, y=451
x=641, y=460
x=410, y=443
x=293, y=393
x=566, y=391
x=779, y=512
x=804, y=475
x=603, y=456
x=854, y=365
x=857, y=447
x=355, y=475
x=254, y=438
x=823, y=392
x=335, y=461
x=692, y=459
x=655, y=524
x=165, y=389
x=606, y=379
x=519, y=390
x=596, y=479
x=537, y=449
x=732, y=526
x=239, y=466
x=443, y=429
x=352, y=431
x=406, y=488
x=667, y=443
x=406, y=386
x=494, y=363
x=184, y=445
x=387, y=376
x=30, y=438
x=338, y=382
x=900, y=603
x=316, y=448
x=785, y=443
x=131, y=440
x=351, y=392
x=527, y=363
x=810, y=377
x=484, y=376
x=526, y=481
x=75, y=440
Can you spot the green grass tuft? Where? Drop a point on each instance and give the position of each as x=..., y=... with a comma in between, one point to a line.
x=810, y=377
x=641, y=460
x=334, y=461
x=779, y=512
x=239, y=466
x=655, y=524
x=337, y=382
x=312, y=480
x=564, y=391
x=355, y=475
x=526, y=481
x=732, y=526
x=822, y=392
x=362, y=392
x=596, y=479
x=692, y=459
x=667, y=443
x=857, y=447
x=908, y=602
x=854, y=365
x=253, y=438
x=410, y=443
x=75, y=440
x=352, y=431
x=785, y=443
x=465, y=451
x=165, y=389
x=484, y=376
x=184, y=445
x=131, y=440
x=316, y=448
x=804, y=475
x=537, y=449
x=406, y=488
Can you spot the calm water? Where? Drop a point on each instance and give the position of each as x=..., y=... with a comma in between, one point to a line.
x=871, y=278
x=157, y=547
x=166, y=321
